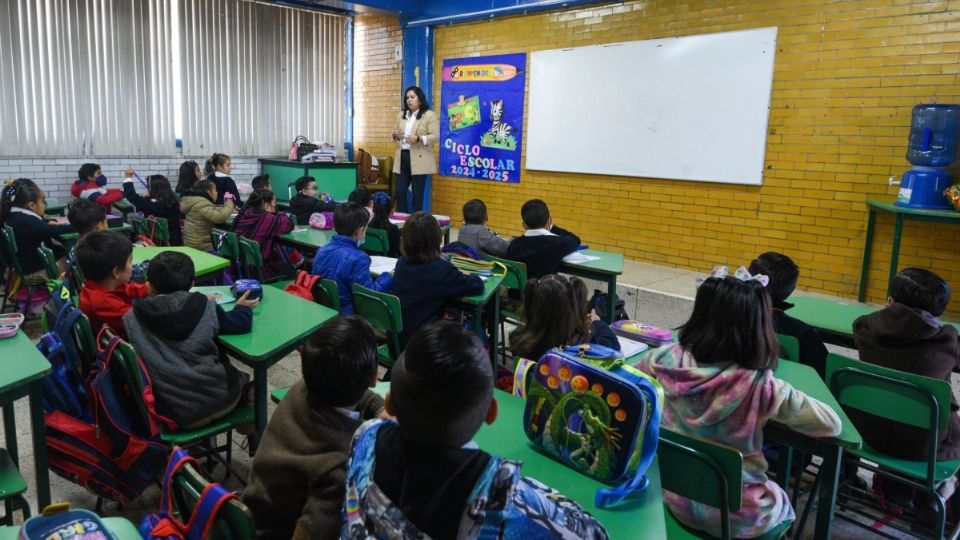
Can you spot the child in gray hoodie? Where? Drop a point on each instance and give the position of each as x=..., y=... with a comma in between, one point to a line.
x=174, y=333
x=475, y=232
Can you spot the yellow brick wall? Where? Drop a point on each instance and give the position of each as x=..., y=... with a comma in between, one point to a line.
x=847, y=74
x=376, y=82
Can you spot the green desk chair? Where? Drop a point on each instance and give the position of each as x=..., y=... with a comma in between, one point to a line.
x=789, y=347
x=382, y=311
x=8, y=247
x=228, y=247
x=515, y=280
x=12, y=488
x=252, y=261
x=49, y=262
x=327, y=293
x=156, y=229
x=376, y=242
x=705, y=472
x=291, y=191
x=234, y=520
x=205, y=436
x=902, y=397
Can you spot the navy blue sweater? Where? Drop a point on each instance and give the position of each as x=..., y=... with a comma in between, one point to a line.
x=30, y=232
x=423, y=290
x=543, y=254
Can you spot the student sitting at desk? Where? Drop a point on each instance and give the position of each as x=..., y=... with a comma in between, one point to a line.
x=260, y=221
x=423, y=281
x=175, y=331
x=90, y=185
x=160, y=202
x=201, y=215
x=423, y=476
x=105, y=258
x=21, y=208
x=475, y=232
x=718, y=384
x=296, y=484
x=907, y=335
x=543, y=245
x=305, y=203
x=382, y=209
x=783, y=274
x=218, y=169
x=342, y=259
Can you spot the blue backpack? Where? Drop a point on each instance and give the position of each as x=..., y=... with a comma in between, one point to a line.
x=599, y=417
x=64, y=388
x=59, y=521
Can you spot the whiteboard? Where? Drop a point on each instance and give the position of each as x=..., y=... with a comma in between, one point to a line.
x=688, y=108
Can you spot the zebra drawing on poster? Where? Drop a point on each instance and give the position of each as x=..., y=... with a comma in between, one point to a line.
x=500, y=134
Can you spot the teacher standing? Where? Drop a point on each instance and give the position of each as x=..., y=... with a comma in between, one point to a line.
x=416, y=130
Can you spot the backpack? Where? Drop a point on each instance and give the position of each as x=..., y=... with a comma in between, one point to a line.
x=164, y=525
x=118, y=455
x=601, y=418
x=63, y=388
x=321, y=220
x=59, y=521
x=368, y=168
x=303, y=286
x=599, y=302
x=462, y=250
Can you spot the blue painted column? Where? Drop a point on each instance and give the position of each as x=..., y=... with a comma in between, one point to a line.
x=418, y=71
x=348, y=90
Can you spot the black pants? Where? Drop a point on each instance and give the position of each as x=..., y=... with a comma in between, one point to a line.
x=404, y=181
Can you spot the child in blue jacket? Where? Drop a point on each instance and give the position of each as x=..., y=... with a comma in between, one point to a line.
x=342, y=259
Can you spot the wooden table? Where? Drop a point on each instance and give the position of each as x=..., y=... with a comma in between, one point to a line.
x=638, y=518
x=203, y=263
x=900, y=213
x=121, y=528
x=806, y=379
x=23, y=369
x=280, y=324
x=606, y=269
x=833, y=319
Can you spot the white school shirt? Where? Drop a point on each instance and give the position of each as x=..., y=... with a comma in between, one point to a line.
x=411, y=119
x=25, y=211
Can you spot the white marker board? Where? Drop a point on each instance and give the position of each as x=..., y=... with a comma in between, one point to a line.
x=688, y=108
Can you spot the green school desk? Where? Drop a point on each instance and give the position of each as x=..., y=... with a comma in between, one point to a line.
x=900, y=215
x=606, y=269
x=833, y=319
x=121, y=528
x=479, y=303
x=24, y=366
x=203, y=263
x=70, y=238
x=307, y=238
x=806, y=379
x=55, y=208
x=639, y=518
x=280, y=324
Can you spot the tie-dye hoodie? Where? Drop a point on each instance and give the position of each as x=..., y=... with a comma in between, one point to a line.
x=728, y=404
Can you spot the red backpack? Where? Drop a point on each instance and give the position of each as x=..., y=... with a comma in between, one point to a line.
x=303, y=286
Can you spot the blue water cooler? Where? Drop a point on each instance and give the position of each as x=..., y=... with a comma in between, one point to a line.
x=934, y=134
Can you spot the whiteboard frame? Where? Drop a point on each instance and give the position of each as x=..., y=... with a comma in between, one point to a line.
x=705, y=118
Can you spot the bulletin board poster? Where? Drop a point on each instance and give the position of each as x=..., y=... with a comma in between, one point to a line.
x=481, y=117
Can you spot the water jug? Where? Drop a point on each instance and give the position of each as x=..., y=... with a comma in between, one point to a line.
x=934, y=134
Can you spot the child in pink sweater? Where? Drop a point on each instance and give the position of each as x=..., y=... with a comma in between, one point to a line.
x=718, y=384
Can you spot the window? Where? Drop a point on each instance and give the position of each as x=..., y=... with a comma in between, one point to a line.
x=129, y=77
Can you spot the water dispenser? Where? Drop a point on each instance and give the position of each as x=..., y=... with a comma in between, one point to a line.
x=934, y=135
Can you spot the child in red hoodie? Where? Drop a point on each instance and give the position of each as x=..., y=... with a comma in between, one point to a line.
x=106, y=259
x=90, y=185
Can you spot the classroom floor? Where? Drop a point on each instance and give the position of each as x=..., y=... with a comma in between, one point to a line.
x=659, y=295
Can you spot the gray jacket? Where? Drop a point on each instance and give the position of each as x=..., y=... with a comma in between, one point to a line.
x=174, y=334
x=482, y=239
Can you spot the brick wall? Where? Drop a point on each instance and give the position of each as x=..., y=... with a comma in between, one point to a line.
x=847, y=74
x=376, y=82
x=56, y=174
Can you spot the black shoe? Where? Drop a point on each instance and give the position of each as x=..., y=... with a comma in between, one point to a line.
x=926, y=516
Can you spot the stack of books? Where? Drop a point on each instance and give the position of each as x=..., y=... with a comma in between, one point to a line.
x=473, y=266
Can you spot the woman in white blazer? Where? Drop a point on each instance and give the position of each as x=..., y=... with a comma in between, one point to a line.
x=416, y=130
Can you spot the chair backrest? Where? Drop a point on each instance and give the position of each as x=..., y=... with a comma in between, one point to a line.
x=8, y=242
x=250, y=256
x=789, y=347
x=386, y=168
x=126, y=357
x=376, y=241
x=516, y=277
x=703, y=471
x=49, y=262
x=327, y=293
x=227, y=245
x=161, y=230
x=382, y=311
x=291, y=190
x=234, y=520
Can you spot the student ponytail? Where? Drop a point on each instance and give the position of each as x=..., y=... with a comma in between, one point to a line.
x=216, y=160
x=159, y=190
x=258, y=198
x=18, y=193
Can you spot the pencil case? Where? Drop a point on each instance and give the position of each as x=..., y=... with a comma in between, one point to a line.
x=321, y=220
x=645, y=333
x=10, y=324
x=248, y=285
